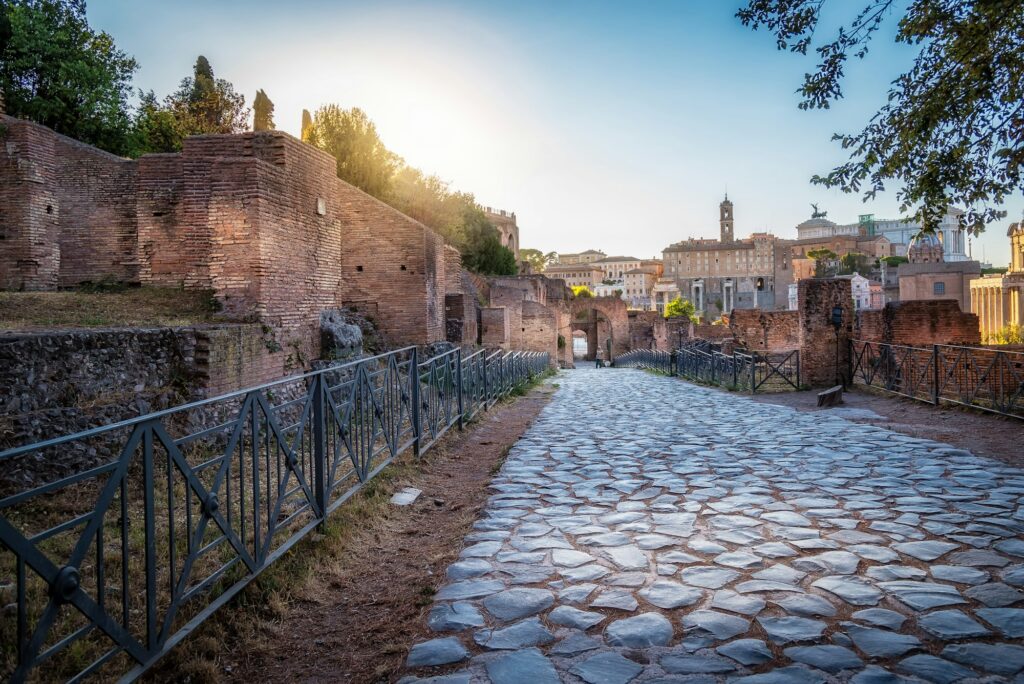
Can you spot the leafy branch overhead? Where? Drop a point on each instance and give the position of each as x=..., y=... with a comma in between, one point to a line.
x=951, y=131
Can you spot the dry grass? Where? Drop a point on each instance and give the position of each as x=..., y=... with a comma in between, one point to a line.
x=103, y=307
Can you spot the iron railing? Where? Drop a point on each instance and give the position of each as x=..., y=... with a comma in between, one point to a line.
x=156, y=522
x=987, y=379
x=647, y=359
x=706, y=363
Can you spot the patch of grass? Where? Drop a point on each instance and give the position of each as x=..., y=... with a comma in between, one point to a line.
x=110, y=305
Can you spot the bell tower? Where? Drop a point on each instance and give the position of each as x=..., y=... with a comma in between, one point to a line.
x=725, y=219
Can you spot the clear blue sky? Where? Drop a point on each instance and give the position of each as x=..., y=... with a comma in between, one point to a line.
x=614, y=126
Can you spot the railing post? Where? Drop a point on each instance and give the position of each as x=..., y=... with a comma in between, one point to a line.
x=713, y=368
x=735, y=370
x=458, y=383
x=753, y=372
x=673, y=363
x=414, y=393
x=319, y=448
x=935, y=374
x=486, y=397
x=797, y=351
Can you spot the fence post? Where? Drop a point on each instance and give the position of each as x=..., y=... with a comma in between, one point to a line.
x=753, y=372
x=458, y=383
x=735, y=371
x=673, y=363
x=414, y=393
x=797, y=351
x=713, y=368
x=319, y=448
x=486, y=397
x=935, y=374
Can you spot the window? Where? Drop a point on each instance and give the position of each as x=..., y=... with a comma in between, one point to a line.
x=939, y=288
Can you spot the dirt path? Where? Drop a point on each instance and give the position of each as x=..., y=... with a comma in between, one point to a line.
x=982, y=433
x=357, y=617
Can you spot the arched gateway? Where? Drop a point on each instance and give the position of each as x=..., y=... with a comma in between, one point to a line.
x=605, y=322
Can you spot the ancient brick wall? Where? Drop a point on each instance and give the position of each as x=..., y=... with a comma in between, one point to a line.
x=540, y=330
x=67, y=211
x=918, y=323
x=494, y=327
x=820, y=342
x=772, y=331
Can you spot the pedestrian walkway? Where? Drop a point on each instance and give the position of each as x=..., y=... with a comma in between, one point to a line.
x=645, y=529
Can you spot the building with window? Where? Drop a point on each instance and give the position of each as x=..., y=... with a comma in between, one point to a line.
x=508, y=229
x=586, y=257
x=999, y=299
x=898, y=232
x=725, y=274
x=575, y=275
x=930, y=276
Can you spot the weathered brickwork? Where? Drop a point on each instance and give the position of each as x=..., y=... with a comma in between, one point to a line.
x=494, y=326
x=67, y=211
x=819, y=341
x=918, y=323
x=259, y=218
x=772, y=331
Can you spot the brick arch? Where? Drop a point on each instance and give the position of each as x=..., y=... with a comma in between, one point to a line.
x=614, y=309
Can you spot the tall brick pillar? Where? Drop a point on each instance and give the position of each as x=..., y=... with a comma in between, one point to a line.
x=816, y=298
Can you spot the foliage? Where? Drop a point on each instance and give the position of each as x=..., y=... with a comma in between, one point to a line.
x=362, y=158
x=855, y=262
x=582, y=291
x=538, y=260
x=202, y=104
x=895, y=260
x=822, y=257
x=262, y=112
x=996, y=270
x=1009, y=334
x=307, y=125
x=952, y=128
x=677, y=307
x=482, y=250
x=57, y=71
x=561, y=339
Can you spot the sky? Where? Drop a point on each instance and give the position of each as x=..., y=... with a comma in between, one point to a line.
x=611, y=126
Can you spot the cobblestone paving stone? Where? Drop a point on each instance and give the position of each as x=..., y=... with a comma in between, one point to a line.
x=648, y=530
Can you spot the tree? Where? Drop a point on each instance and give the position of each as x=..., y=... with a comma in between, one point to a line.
x=952, y=128
x=483, y=251
x=307, y=125
x=201, y=104
x=538, y=260
x=894, y=261
x=855, y=262
x=1008, y=334
x=677, y=307
x=206, y=105
x=262, y=112
x=362, y=158
x=822, y=258
x=582, y=291
x=57, y=71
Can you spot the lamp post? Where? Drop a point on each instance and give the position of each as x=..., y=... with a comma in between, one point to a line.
x=837, y=323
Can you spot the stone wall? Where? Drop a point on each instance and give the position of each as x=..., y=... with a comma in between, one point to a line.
x=917, y=323
x=58, y=383
x=540, y=330
x=771, y=331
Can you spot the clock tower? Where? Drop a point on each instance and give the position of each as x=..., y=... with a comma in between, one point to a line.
x=725, y=219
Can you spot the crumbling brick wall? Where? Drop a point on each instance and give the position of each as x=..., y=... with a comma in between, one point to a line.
x=494, y=327
x=917, y=323
x=820, y=342
x=772, y=331
x=67, y=210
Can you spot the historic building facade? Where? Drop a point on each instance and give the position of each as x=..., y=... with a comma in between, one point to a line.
x=724, y=274
x=999, y=299
x=576, y=274
x=505, y=222
x=584, y=257
x=898, y=232
x=929, y=276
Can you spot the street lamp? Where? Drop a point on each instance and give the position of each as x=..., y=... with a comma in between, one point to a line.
x=837, y=323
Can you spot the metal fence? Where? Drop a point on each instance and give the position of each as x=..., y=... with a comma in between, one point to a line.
x=159, y=520
x=987, y=379
x=706, y=363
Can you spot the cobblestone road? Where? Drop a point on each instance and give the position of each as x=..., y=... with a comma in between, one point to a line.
x=645, y=529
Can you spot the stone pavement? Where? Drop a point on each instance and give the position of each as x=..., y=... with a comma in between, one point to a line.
x=645, y=529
